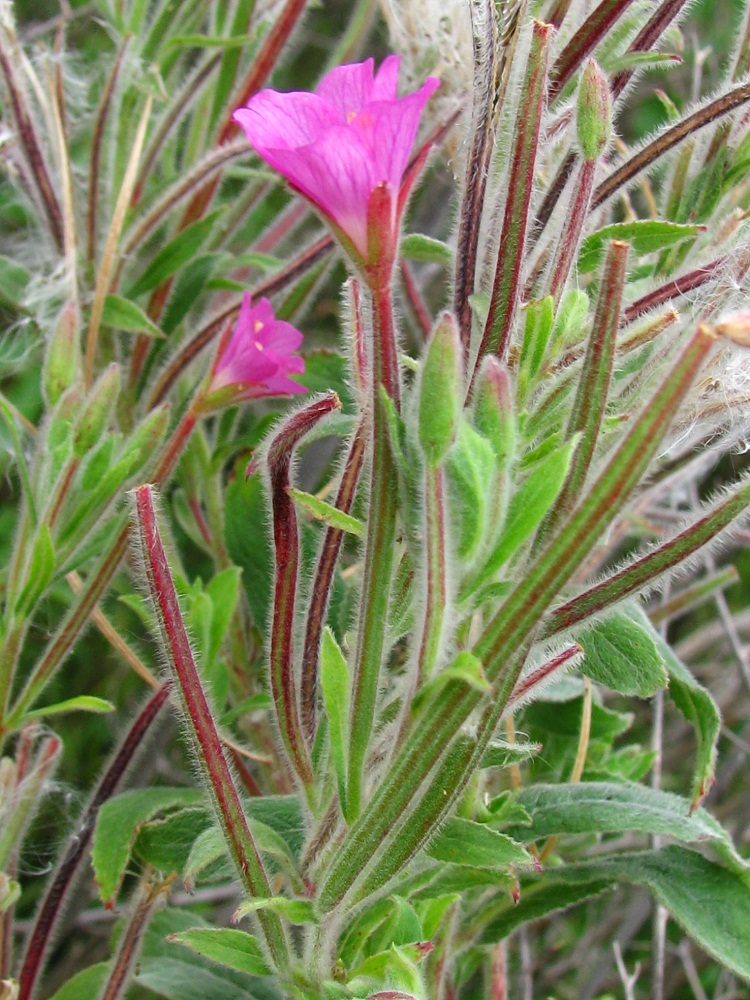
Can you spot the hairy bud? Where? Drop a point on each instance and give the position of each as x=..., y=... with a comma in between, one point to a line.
x=594, y=117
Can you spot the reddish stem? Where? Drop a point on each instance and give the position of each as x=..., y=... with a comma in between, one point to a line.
x=204, y=735
x=286, y=547
x=62, y=881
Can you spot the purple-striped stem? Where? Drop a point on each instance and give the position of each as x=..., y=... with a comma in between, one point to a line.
x=32, y=148
x=97, y=139
x=201, y=727
x=503, y=646
x=477, y=166
x=689, y=597
x=590, y=403
x=512, y=244
x=322, y=582
x=651, y=566
x=436, y=570
x=582, y=44
x=381, y=524
x=667, y=141
x=570, y=237
x=287, y=557
x=62, y=879
x=122, y=970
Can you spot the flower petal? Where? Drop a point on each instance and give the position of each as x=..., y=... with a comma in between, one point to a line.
x=285, y=121
x=348, y=88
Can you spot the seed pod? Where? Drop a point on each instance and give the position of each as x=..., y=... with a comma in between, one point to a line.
x=440, y=397
x=62, y=360
x=594, y=119
x=97, y=410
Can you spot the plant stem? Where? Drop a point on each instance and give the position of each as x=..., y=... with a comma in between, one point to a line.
x=62, y=879
x=381, y=536
x=201, y=726
x=322, y=581
x=287, y=557
x=512, y=243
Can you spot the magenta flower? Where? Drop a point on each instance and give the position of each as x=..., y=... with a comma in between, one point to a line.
x=338, y=145
x=256, y=359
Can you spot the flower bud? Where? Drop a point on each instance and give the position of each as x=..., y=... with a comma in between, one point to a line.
x=440, y=396
x=97, y=410
x=594, y=118
x=493, y=408
x=147, y=436
x=61, y=363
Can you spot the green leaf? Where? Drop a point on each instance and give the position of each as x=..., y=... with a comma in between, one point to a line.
x=334, y=680
x=41, y=569
x=458, y=879
x=500, y=753
x=232, y=948
x=81, y=703
x=537, y=331
x=223, y=591
x=696, y=705
x=175, y=255
x=526, y=509
x=248, y=542
x=117, y=827
x=461, y=841
x=623, y=656
x=465, y=667
x=606, y=807
x=327, y=513
x=210, y=41
x=207, y=848
x=296, y=911
x=711, y=903
x=13, y=281
x=87, y=983
x=165, y=843
x=644, y=236
x=122, y=314
x=415, y=246
x=470, y=467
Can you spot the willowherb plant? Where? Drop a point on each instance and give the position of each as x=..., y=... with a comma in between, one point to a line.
x=401, y=670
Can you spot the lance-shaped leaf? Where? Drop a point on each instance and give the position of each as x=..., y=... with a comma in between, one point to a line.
x=711, y=903
x=201, y=727
x=334, y=679
x=622, y=654
x=287, y=554
x=603, y=807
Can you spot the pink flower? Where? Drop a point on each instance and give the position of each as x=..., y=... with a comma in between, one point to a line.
x=256, y=359
x=336, y=146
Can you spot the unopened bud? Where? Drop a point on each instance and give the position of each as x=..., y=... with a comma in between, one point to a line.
x=147, y=436
x=440, y=396
x=62, y=360
x=594, y=118
x=97, y=410
x=10, y=890
x=493, y=408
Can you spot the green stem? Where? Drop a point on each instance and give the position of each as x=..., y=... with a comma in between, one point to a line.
x=380, y=542
x=505, y=642
x=436, y=589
